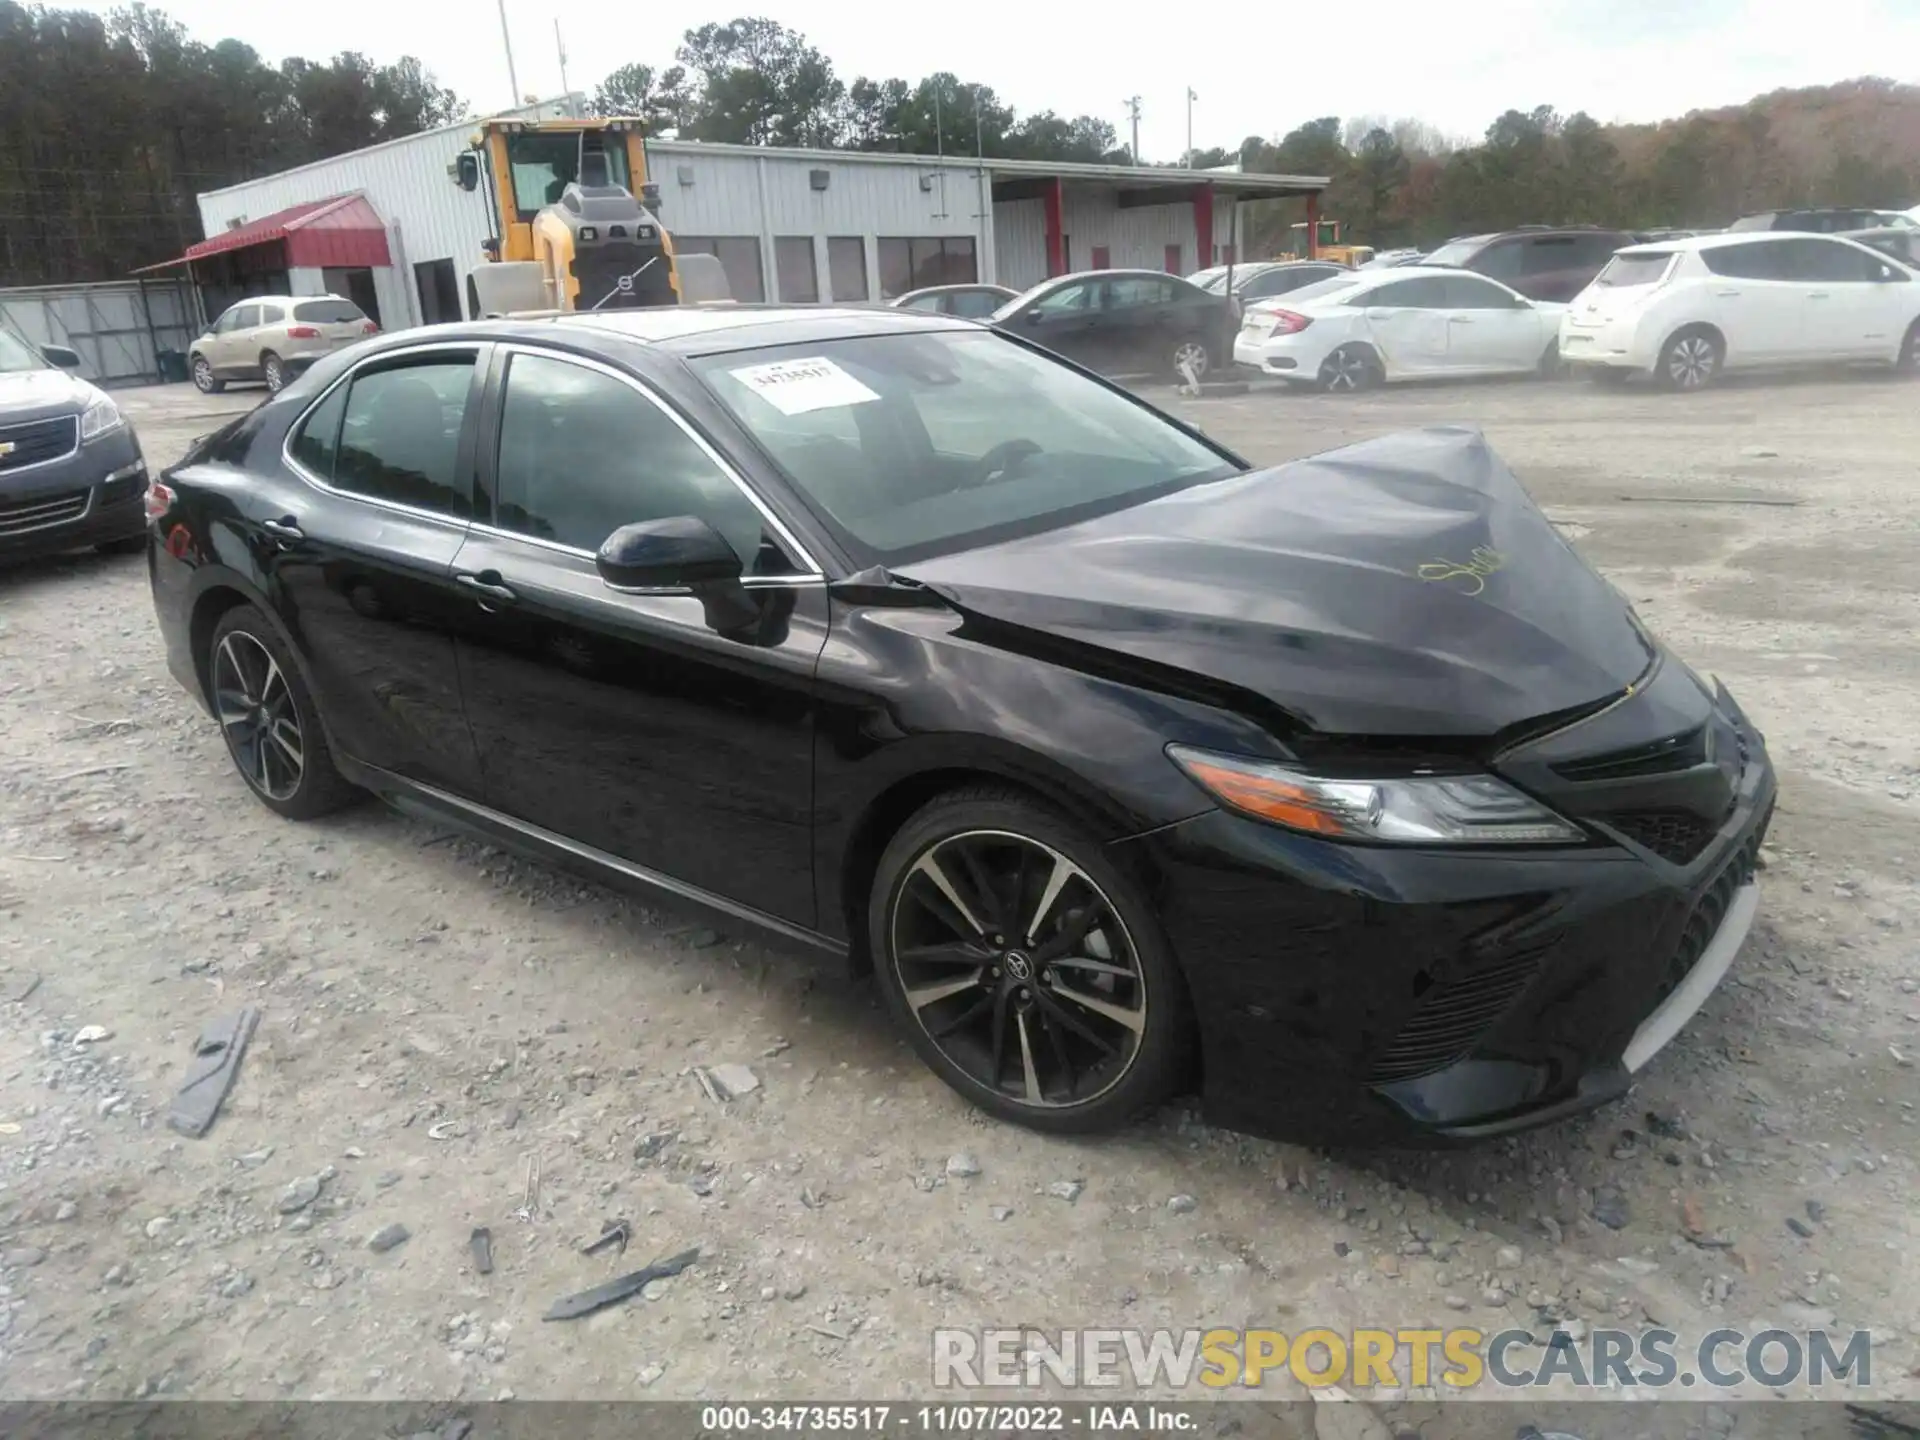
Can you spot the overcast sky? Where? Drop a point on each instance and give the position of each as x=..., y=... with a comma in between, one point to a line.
x=1258, y=68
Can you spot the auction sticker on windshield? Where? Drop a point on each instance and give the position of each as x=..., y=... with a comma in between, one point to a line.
x=793, y=387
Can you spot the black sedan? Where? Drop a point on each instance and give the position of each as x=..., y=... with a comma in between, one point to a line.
x=71, y=474
x=1126, y=322
x=1345, y=788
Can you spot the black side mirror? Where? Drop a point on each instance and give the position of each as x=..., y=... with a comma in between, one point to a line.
x=466, y=170
x=677, y=553
x=60, y=355
x=1033, y=316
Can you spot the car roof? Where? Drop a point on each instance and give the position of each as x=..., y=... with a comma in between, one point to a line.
x=969, y=285
x=691, y=330
x=1723, y=238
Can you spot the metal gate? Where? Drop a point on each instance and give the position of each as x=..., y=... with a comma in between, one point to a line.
x=120, y=328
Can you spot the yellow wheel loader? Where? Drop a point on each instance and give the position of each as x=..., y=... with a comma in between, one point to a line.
x=575, y=221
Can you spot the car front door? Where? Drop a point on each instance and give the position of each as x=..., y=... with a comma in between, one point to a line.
x=224, y=353
x=359, y=556
x=1848, y=314
x=1490, y=329
x=269, y=332
x=1068, y=322
x=670, y=731
x=1407, y=321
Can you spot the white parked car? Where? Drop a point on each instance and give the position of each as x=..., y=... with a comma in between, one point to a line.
x=1684, y=311
x=1406, y=323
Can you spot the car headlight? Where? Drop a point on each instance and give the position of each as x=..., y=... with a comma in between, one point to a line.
x=102, y=417
x=1410, y=810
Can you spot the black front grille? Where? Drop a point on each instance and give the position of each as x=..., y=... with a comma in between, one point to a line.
x=1662, y=757
x=42, y=511
x=38, y=441
x=1676, y=836
x=1703, y=923
x=1452, y=1016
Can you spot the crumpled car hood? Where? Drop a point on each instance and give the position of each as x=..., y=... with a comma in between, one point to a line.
x=1403, y=586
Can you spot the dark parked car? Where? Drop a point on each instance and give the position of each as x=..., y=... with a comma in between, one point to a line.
x=71, y=474
x=894, y=636
x=1901, y=242
x=1125, y=320
x=1825, y=220
x=1541, y=263
x=969, y=302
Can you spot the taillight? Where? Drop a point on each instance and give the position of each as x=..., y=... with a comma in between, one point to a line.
x=159, y=499
x=369, y=328
x=1288, y=322
x=302, y=332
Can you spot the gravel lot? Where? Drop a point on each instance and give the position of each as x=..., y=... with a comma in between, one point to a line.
x=441, y=1022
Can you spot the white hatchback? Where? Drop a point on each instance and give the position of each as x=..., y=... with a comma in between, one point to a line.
x=1410, y=322
x=1685, y=311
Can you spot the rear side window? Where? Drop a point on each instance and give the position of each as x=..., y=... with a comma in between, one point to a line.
x=975, y=304
x=400, y=435
x=1425, y=293
x=1757, y=260
x=316, y=444
x=1624, y=271
x=1509, y=260
x=327, y=312
x=272, y=314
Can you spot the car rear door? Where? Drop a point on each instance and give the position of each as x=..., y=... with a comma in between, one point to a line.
x=1407, y=323
x=1754, y=301
x=359, y=555
x=1491, y=329
x=672, y=732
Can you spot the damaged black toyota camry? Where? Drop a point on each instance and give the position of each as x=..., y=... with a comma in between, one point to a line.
x=1344, y=790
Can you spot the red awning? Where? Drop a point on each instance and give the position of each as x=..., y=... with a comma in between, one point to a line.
x=344, y=231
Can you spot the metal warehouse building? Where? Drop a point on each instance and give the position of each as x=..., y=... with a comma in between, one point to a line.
x=387, y=227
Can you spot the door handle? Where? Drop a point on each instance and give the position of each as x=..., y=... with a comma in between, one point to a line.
x=285, y=528
x=1818, y=295
x=486, y=583
x=1727, y=294
x=1459, y=320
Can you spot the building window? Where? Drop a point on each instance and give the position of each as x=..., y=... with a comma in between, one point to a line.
x=913, y=263
x=847, y=267
x=739, y=256
x=793, y=269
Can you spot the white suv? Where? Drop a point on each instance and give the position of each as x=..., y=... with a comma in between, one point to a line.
x=1685, y=310
x=274, y=337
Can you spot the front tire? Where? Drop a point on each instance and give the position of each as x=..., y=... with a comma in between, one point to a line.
x=1192, y=352
x=1691, y=360
x=1349, y=369
x=204, y=380
x=274, y=371
x=1025, y=968
x=268, y=718
x=1909, y=361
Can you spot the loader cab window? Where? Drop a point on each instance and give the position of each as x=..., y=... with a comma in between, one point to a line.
x=545, y=164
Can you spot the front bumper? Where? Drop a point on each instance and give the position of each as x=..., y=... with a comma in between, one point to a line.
x=1365, y=995
x=91, y=496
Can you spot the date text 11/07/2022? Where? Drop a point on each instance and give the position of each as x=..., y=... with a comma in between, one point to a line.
x=1115, y=1419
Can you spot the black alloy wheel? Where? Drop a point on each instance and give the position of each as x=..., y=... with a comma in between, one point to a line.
x=1023, y=967
x=268, y=719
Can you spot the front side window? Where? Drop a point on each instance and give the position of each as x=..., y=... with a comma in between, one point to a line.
x=399, y=438
x=1462, y=292
x=1428, y=292
x=973, y=304
x=1511, y=259
x=583, y=453
x=1073, y=299
x=913, y=444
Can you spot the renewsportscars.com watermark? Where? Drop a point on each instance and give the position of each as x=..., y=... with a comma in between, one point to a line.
x=1462, y=1359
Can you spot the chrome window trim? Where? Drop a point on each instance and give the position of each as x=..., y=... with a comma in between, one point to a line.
x=441, y=347
x=810, y=570
x=494, y=532
x=10, y=472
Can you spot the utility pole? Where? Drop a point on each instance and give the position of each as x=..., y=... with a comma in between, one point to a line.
x=1133, y=113
x=506, y=39
x=1191, y=97
x=979, y=144
x=566, y=90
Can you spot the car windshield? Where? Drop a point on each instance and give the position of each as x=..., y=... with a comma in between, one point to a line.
x=1455, y=252
x=1638, y=269
x=16, y=356
x=916, y=444
x=1209, y=280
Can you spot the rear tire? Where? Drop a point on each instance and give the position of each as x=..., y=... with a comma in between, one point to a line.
x=1048, y=995
x=1691, y=360
x=1909, y=361
x=204, y=380
x=1351, y=368
x=269, y=720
